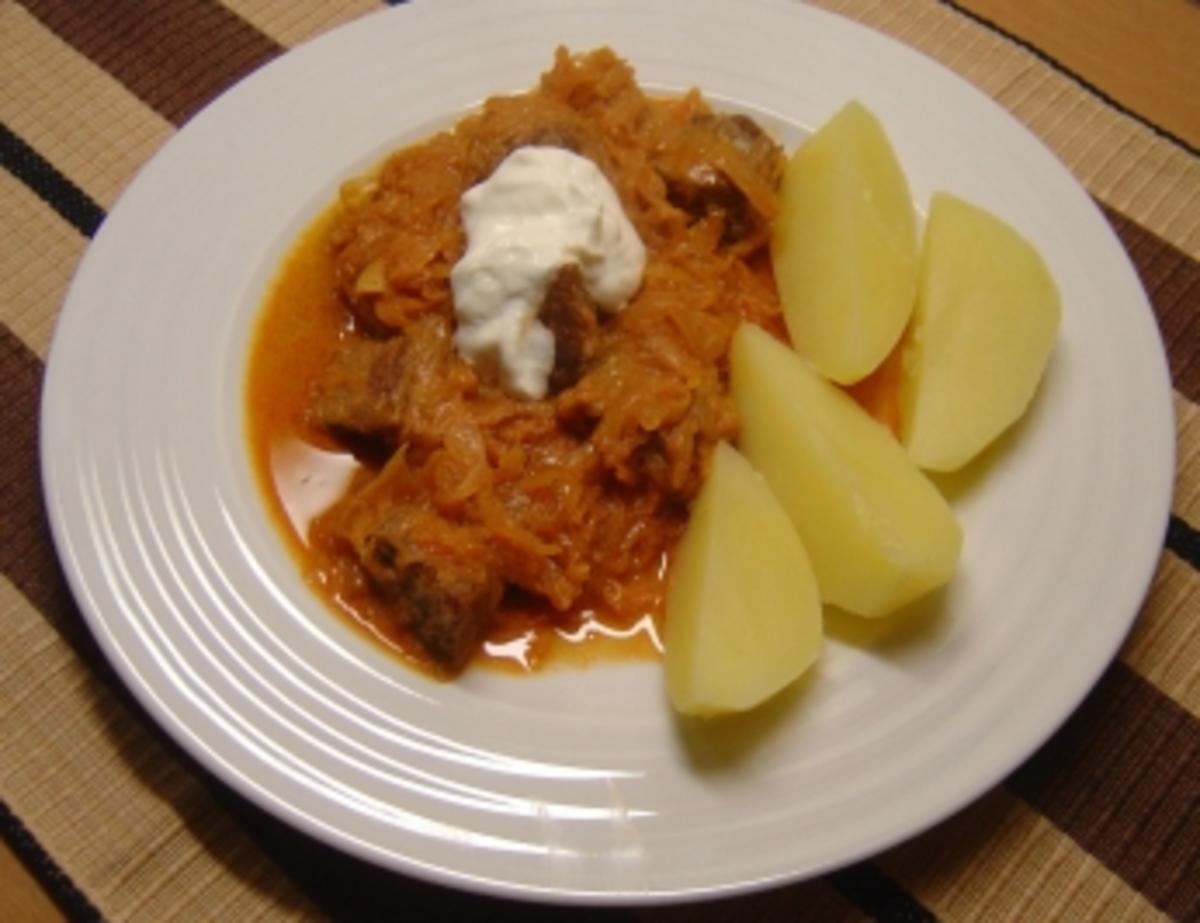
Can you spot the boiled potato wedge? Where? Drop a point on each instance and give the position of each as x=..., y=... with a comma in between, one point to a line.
x=743, y=618
x=877, y=531
x=985, y=321
x=844, y=246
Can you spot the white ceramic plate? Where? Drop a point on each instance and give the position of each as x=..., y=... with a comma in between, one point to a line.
x=579, y=785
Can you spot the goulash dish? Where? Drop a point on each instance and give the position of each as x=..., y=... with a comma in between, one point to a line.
x=479, y=512
x=490, y=381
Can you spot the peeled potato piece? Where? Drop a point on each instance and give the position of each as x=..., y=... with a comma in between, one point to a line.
x=844, y=246
x=877, y=531
x=986, y=317
x=743, y=618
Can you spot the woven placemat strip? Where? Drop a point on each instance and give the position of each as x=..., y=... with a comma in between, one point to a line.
x=36, y=267
x=139, y=836
x=71, y=111
x=1172, y=281
x=980, y=865
x=173, y=56
x=289, y=23
x=1135, y=814
x=1164, y=644
x=1121, y=161
x=1186, y=501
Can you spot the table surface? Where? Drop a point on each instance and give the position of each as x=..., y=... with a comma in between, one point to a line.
x=1136, y=62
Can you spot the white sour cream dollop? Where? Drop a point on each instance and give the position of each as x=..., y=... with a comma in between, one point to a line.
x=542, y=209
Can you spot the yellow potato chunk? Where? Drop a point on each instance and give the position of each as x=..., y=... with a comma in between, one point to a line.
x=877, y=531
x=743, y=614
x=844, y=246
x=985, y=321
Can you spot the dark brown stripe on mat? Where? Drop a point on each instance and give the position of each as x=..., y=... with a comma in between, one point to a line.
x=1172, y=281
x=27, y=554
x=1139, y=753
x=174, y=55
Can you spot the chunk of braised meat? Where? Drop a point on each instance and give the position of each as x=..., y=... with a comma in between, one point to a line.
x=361, y=390
x=389, y=389
x=762, y=153
x=570, y=314
x=443, y=588
x=439, y=579
x=727, y=166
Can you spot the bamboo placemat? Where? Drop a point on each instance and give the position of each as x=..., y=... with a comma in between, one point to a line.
x=120, y=824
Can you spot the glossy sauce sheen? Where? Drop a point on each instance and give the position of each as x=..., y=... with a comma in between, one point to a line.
x=301, y=472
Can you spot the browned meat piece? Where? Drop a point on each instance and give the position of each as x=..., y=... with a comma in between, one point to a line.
x=389, y=389
x=763, y=155
x=440, y=579
x=725, y=164
x=361, y=390
x=704, y=189
x=570, y=314
x=445, y=595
